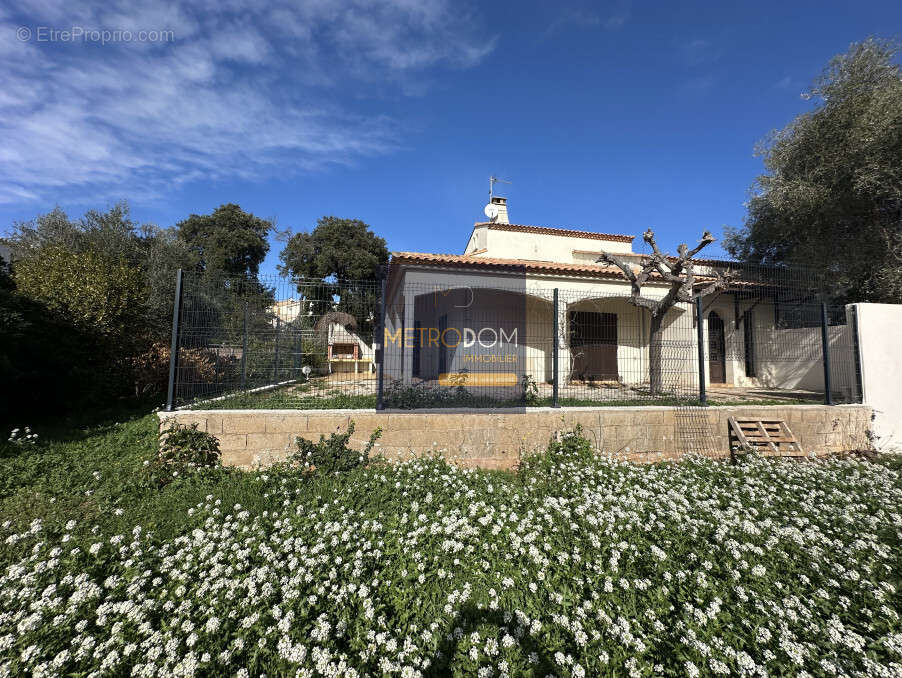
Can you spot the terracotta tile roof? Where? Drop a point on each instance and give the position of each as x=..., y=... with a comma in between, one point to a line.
x=549, y=267
x=465, y=260
x=548, y=230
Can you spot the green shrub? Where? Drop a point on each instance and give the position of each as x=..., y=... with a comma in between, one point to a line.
x=91, y=288
x=313, y=354
x=530, y=390
x=571, y=445
x=411, y=397
x=48, y=364
x=150, y=368
x=567, y=447
x=332, y=454
x=184, y=450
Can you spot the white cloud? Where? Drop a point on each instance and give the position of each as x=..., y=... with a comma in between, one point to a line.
x=241, y=90
x=611, y=17
x=619, y=15
x=786, y=82
x=698, y=52
x=699, y=83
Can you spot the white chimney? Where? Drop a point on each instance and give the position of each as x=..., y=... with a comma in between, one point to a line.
x=500, y=205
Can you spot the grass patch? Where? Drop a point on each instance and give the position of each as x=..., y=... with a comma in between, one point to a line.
x=287, y=400
x=95, y=476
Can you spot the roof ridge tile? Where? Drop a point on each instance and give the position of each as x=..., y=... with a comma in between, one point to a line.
x=555, y=230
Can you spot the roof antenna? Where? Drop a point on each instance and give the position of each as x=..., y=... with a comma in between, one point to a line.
x=492, y=181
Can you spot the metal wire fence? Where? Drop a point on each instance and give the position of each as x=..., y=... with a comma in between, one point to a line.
x=431, y=341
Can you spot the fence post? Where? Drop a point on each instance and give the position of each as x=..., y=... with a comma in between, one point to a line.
x=275, y=371
x=379, y=348
x=244, y=352
x=825, y=343
x=555, y=351
x=856, y=353
x=702, y=394
x=174, y=349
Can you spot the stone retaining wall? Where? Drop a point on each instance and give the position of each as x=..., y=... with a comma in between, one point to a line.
x=498, y=438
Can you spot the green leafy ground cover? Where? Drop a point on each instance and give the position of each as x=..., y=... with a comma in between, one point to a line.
x=576, y=566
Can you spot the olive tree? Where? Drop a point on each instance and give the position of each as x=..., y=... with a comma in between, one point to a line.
x=831, y=196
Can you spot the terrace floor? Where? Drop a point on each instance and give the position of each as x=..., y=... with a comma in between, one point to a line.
x=367, y=384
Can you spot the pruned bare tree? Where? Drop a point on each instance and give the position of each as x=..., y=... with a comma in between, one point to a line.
x=678, y=272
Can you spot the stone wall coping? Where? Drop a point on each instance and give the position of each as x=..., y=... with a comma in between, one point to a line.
x=162, y=414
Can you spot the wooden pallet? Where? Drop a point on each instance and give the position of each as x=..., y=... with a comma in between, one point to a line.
x=770, y=437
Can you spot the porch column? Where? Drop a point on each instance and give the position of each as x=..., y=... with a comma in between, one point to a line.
x=700, y=338
x=407, y=320
x=825, y=348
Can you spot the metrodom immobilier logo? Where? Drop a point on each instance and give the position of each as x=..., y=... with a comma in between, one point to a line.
x=481, y=351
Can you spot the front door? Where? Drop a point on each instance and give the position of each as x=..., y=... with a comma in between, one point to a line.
x=593, y=344
x=717, y=367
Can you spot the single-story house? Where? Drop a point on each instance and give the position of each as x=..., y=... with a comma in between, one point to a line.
x=491, y=309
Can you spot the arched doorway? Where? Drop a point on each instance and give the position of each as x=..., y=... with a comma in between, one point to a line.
x=717, y=366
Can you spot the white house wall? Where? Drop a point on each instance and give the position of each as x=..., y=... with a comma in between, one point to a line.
x=788, y=358
x=785, y=358
x=539, y=338
x=539, y=246
x=679, y=365
x=792, y=358
x=879, y=330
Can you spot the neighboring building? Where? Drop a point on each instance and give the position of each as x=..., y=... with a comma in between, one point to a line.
x=286, y=310
x=505, y=281
x=346, y=350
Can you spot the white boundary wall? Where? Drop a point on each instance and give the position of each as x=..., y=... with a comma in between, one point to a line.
x=879, y=339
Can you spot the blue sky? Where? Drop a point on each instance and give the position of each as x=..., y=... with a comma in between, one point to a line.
x=613, y=116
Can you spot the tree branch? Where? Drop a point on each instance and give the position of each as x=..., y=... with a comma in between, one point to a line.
x=652, y=305
x=680, y=274
x=649, y=237
x=622, y=264
x=706, y=240
x=636, y=281
x=722, y=279
x=668, y=275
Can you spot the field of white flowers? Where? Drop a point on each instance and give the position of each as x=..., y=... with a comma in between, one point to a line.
x=575, y=567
